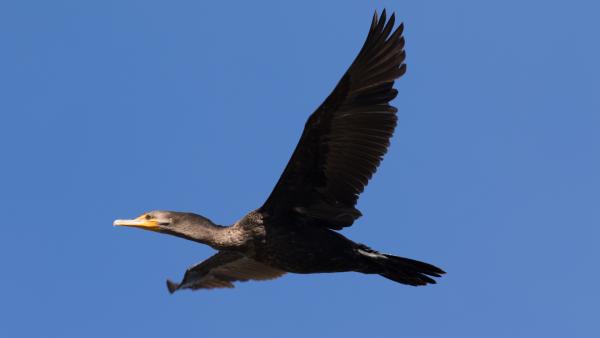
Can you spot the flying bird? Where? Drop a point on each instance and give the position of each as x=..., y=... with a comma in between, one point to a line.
x=295, y=230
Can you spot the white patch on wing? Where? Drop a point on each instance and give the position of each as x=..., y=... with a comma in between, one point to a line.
x=371, y=254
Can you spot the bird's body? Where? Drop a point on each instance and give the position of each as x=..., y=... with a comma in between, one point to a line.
x=297, y=248
x=294, y=231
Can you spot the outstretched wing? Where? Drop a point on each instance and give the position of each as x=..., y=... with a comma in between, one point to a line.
x=345, y=139
x=221, y=270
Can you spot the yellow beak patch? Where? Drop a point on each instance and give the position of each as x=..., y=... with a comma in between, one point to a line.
x=140, y=222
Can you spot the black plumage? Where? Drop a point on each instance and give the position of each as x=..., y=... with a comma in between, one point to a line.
x=342, y=145
x=345, y=139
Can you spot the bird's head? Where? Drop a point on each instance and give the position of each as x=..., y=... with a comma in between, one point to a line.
x=181, y=224
x=157, y=220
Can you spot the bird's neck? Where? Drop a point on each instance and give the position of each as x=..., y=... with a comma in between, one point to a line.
x=204, y=231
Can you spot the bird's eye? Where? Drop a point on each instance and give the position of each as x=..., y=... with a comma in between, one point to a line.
x=148, y=216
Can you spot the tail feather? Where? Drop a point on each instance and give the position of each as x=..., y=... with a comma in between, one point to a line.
x=404, y=270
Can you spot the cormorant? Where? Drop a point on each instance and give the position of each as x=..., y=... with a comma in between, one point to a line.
x=342, y=144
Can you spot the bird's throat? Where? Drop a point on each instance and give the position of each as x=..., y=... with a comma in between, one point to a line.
x=215, y=236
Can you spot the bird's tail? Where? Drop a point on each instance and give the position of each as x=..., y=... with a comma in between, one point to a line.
x=402, y=270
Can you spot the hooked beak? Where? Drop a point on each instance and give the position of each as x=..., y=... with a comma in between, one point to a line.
x=140, y=222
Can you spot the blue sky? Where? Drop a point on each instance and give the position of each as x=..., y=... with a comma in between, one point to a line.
x=113, y=108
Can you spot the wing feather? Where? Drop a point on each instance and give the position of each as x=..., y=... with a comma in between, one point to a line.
x=221, y=270
x=345, y=139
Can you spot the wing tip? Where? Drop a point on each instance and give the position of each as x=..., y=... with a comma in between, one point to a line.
x=374, y=21
x=382, y=21
x=172, y=286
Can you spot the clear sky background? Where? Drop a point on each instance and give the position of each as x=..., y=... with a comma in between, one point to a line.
x=112, y=108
